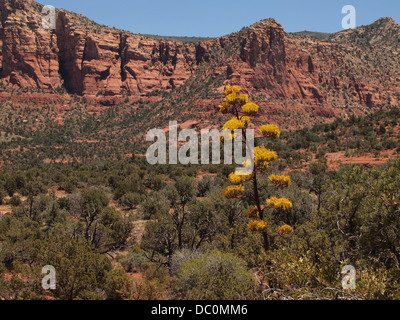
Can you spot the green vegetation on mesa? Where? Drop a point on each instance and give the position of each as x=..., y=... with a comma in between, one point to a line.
x=84, y=137
x=312, y=34
x=356, y=136
x=177, y=39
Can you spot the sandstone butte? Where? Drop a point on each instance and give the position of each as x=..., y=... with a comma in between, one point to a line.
x=350, y=69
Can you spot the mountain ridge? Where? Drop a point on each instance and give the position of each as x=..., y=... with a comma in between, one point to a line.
x=301, y=78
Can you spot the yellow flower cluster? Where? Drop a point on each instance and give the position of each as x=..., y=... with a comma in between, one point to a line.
x=270, y=131
x=236, y=89
x=243, y=99
x=250, y=108
x=263, y=156
x=232, y=98
x=224, y=108
x=257, y=225
x=233, y=192
x=253, y=213
x=235, y=179
x=280, y=204
x=229, y=90
x=234, y=124
x=232, y=94
x=284, y=230
x=280, y=181
x=245, y=120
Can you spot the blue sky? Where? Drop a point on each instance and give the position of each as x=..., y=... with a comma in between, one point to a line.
x=213, y=18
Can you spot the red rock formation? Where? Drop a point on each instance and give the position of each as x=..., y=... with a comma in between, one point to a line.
x=114, y=61
x=29, y=53
x=273, y=64
x=89, y=59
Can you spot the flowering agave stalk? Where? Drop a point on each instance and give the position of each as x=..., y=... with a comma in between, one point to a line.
x=237, y=104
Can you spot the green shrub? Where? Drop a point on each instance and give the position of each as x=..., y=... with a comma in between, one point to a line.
x=134, y=261
x=215, y=276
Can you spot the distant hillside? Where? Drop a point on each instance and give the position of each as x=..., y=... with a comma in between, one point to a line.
x=383, y=32
x=312, y=34
x=177, y=39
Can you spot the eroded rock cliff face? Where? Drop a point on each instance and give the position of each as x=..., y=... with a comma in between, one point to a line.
x=88, y=59
x=112, y=60
x=273, y=64
x=283, y=66
x=29, y=53
x=85, y=57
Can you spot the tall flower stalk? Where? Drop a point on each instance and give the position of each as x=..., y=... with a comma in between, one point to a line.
x=237, y=104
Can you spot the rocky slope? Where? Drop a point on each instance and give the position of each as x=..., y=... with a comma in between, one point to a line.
x=351, y=71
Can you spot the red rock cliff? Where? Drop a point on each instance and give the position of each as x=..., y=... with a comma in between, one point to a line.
x=88, y=59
